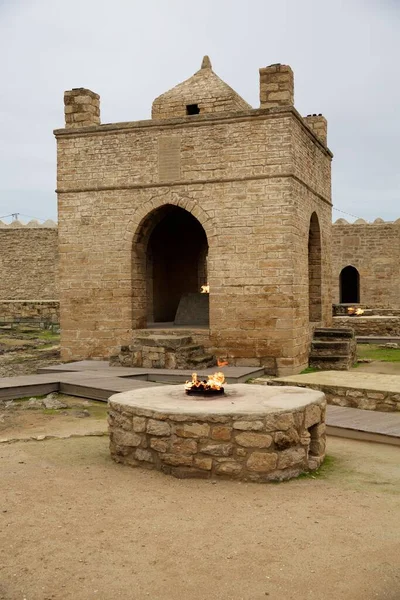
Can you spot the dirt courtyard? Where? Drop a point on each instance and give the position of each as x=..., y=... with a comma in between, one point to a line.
x=74, y=525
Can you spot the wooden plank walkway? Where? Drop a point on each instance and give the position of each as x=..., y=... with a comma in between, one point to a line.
x=97, y=381
x=368, y=425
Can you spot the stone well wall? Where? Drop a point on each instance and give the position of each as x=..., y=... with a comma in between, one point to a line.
x=266, y=446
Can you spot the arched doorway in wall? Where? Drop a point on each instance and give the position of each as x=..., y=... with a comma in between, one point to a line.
x=349, y=284
x=169, y=261
x=314, y=271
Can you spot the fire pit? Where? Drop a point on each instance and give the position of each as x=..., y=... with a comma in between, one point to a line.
x=247, y=432
x=212, y=386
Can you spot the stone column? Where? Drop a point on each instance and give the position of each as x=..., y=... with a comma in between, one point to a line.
x=319, y=125
x=81, y=108
x=276, y=86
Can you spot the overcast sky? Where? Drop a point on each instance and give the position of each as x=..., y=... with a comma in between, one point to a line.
x=344, y=54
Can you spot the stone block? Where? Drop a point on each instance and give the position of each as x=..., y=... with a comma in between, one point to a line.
x=155, y=427
x=248, y=425
x=312, y=415
x=286, y=439
x=253, y=440
x=126, y=438
x=144, y=455
x=177, y=459
x=203, y=463
x=262, y=462
x=292, y=457
x=229, y=468
x=279, y=422
x=221, y=433
x=217, y=449
x=183, y=446
x=158, y=444
x=193, y=430
x=139, y=424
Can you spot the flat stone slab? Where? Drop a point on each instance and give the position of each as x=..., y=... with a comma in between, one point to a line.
x=238, y=400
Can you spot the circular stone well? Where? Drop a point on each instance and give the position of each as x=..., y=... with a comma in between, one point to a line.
x=252, y=433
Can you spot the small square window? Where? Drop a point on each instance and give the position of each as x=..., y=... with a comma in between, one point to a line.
x=192, y=109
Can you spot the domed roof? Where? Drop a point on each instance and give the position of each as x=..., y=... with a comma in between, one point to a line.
x=203, y=93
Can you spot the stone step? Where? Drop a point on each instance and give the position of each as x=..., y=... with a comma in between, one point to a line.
x=330, y=345
x=329, y=334
x=320, y=348
x=191, y=349
x=163, y=341
x=330, y=363
x=203, y=360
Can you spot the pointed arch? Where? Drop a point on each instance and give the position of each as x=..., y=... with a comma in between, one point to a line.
x=169, y=260
x=349, y=285
x=314, y=271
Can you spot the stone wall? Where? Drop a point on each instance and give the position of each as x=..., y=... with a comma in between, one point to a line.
x=374, y=250
x=252, y=179
x=17, y=311
x=28, y=262
x=376, y=325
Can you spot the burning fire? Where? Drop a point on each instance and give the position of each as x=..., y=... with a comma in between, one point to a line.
x=213, y=384
x=221, y=362
x=352, y=310
x=205, y=289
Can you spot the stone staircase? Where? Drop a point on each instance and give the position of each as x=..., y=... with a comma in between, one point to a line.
x=160, y=351
x=333, y=349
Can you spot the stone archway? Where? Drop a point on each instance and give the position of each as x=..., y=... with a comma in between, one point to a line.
x=314, y=271
x=169, y=261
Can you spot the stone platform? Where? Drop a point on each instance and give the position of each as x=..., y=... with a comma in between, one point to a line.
x=369, y=391
x=252, y=433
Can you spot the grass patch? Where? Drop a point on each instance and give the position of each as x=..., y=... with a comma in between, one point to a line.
x=323, y=471
x=373, y=352
x=309, y=370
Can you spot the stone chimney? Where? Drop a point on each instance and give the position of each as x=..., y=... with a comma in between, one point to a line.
x=319, y=125
x=276, y=86
x=81, y=108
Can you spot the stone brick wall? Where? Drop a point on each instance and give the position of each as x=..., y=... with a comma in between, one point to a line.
x=28, y=263
x=375, y=325
x=374, y=250
x=16, y=311
x=252, y=180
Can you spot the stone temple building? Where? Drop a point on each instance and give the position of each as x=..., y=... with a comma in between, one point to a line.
x=208, y=191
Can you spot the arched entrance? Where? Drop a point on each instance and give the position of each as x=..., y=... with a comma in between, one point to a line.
x=169, y=261
x=349, y=282
x=314, y=271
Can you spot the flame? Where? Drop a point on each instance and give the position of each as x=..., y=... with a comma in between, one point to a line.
x=214, y=382
x=352, y=310
x=205, y=289
x=221, y=362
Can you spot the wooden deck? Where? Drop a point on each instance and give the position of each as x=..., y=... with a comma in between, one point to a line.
x=97, y=381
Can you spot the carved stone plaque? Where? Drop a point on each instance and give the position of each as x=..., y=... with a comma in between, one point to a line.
x=169, y=158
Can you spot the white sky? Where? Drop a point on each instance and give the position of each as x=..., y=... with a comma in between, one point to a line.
x=344, y=54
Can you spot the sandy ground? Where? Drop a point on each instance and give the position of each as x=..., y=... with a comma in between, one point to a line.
x=74, y=525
